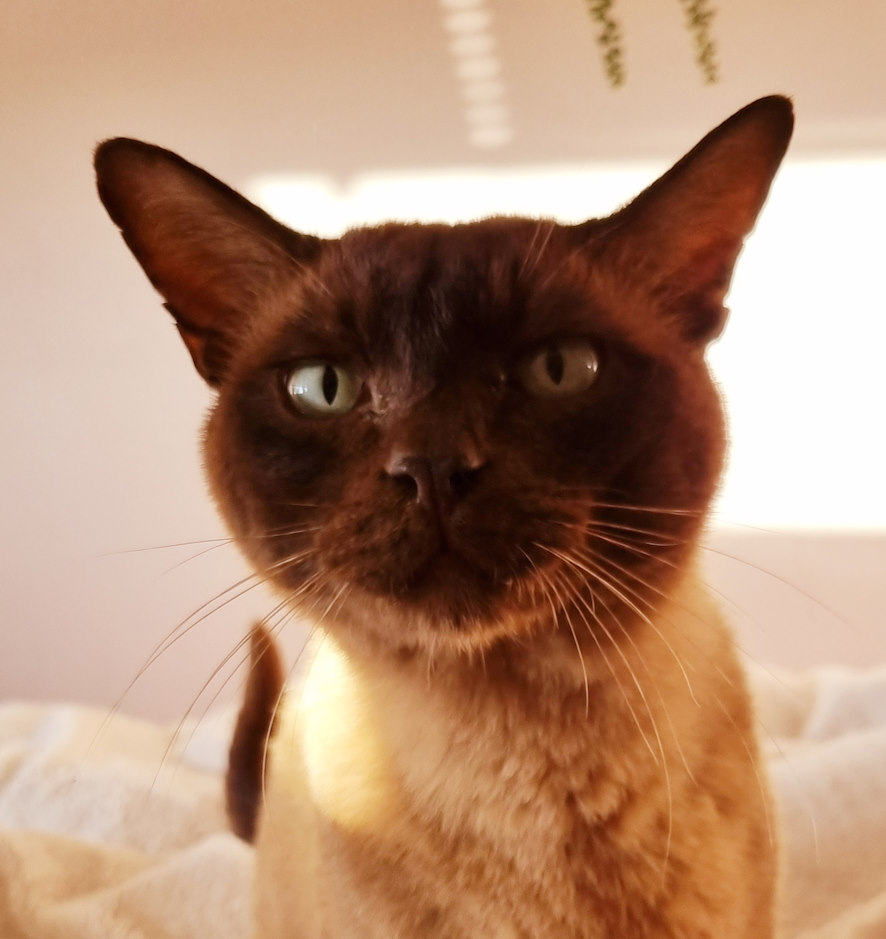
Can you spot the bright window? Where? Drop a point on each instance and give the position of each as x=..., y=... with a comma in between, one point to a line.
x=801, y=362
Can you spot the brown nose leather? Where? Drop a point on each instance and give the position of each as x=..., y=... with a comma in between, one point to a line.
x=438, y=484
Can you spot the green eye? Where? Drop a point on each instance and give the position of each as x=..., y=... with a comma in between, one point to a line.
x=561, y=369
x=320, y=389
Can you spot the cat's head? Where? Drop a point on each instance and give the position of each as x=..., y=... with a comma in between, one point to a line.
x=441, y=435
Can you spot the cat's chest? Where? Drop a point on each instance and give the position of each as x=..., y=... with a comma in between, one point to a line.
x=488, y=774
x=463, y=815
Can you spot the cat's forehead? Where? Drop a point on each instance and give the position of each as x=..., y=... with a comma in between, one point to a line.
x=438, y=262
x=421, y=293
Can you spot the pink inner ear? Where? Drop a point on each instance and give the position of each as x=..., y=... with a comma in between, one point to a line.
x=214, y=256
x=208, y=351
x=694, y=295
x=709, y=271
x=686, y=230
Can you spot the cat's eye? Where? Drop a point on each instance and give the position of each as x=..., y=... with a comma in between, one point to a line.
x=561, y=369
x=320, y=389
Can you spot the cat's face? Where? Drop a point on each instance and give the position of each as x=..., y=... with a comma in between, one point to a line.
x=436, y=419
x=439, y=436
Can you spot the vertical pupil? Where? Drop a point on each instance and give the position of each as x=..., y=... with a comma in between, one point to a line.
x=554, y=365
x=330, y=384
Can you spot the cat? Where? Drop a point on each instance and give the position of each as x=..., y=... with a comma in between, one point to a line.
x=478, y=459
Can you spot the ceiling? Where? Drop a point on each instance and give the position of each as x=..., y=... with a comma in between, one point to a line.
x=344, y=86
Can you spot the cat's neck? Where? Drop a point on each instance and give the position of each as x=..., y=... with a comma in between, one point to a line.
x=434, y=733
x=556, y=663
x=632, y=684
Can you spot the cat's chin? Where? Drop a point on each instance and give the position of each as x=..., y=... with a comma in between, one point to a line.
x=450, y=581
x=452, y=605
x=381, y=623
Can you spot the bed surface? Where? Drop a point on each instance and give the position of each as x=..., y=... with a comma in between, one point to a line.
x=109, y=830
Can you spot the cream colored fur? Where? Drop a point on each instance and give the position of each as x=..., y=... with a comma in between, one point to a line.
x=464, y=799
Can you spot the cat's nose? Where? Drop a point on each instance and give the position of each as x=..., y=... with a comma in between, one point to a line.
x=437, y=484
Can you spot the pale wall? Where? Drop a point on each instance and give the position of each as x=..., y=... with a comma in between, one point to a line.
x=99, y=408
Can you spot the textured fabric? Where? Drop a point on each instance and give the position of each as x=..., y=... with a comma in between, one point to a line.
x=113, y=829
x=824, y=733
x=107, y=830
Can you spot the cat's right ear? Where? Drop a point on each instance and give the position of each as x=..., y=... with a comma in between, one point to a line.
x=681, y=237
x=212, y=254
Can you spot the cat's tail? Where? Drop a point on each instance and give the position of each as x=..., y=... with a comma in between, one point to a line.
x=248, y=756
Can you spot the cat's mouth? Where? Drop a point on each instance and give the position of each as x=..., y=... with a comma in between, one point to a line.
x=469, y=603
x=443, y=578
x=467, y=573
x=448, y=599
x=446, y=581
x=448, y=572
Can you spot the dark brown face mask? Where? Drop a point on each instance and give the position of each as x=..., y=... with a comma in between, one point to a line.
x=446, y=426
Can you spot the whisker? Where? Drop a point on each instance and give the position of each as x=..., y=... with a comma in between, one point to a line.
x=685, y=607
x=176, y=734
x=176, y=633
x=650, y=509
x=340, y=593
x=618, y=589
x=630, y=547
x=526, y=268
x=781, y=580
x=576, y=596
x=213, y=543
x=668, y=563
x=545, y=582
x=581, y=495
x=205, y=610
x=241, y=643
x=729, y=716
x=606, y=578
x=199, y=554
x=191, y=621
x=432, y=647
x=304, y=269
x=165, y=547
x=286, y=604
x=597, y=524
x=754, y=761
x=641, y=691
x=577, y=252
x=281, y=532
x=280, y=698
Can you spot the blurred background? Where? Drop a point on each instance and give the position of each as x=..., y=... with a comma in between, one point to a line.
x=335, y=113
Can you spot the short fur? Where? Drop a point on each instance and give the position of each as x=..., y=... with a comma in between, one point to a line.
x=524, y=715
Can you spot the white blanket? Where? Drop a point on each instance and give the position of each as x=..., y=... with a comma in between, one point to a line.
x=105, y=834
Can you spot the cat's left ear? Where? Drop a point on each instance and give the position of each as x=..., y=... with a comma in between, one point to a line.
x=683, y=234
x=213, y=255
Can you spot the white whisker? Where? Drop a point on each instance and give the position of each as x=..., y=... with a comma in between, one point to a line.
x=546, y=583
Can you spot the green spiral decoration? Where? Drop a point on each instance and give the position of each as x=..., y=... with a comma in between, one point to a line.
x=609, y=40
x=699, y=16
